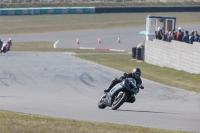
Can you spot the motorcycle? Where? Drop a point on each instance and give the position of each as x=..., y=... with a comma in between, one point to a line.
x=120, y=93
x=5, y=47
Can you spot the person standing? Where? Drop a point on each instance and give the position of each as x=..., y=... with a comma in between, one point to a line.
x=196, y=36
x=186, y=37
x=191, y=37
x=179, y=34
x=159, y=34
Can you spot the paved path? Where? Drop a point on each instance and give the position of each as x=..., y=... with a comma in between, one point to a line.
x=61, y=85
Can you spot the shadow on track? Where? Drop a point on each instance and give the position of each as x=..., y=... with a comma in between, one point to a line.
x=141, y=111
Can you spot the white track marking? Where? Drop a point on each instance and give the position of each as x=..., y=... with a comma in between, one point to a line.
x=102, y=48
x=55, y=44
x=85, y=48
x=117, y=50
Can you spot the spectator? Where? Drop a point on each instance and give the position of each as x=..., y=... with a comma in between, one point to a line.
x=159, y=33
x=156, y=34
x=196, y=36
x=182, y=32
x=179, y=34
x=174, y=35
x=191, y=37
x=164, y=36
x=169, y=36
x=186, y=37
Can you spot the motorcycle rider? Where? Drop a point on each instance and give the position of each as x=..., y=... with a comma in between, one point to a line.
x=9, y=42
x=136, y=73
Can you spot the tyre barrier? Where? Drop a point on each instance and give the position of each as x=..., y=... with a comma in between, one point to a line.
x=134, y=52
x=47, y=10
x=140, y=53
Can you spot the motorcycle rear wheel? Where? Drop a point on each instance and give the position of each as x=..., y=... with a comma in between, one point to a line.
x=118, y=101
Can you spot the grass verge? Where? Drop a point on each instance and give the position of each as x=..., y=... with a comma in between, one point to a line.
x=13, y=122
x=55, y=23
x=123, y=62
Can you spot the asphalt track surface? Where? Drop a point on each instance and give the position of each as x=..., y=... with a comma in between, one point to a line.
x=87, y=38
x=129, y=37
x=62, y=85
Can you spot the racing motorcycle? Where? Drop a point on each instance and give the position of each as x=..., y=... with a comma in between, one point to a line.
x=5, y=47
x=120, y=93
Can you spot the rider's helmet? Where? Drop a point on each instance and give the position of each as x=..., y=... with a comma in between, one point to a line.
x=9, y=39
x=136, y=73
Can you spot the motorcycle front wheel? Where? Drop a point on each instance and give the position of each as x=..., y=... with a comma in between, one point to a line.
x=118, y=100
x=4, y=50
x=101, y=104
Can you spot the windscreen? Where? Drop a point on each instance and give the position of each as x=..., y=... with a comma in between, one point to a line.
x=131, y=80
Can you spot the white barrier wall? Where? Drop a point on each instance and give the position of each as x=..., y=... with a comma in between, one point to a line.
x=177, y=55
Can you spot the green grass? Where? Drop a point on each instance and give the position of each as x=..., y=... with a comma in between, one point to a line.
x=13, y=122
x=55, y=23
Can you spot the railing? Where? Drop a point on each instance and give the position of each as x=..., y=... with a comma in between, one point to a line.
x=90, y=1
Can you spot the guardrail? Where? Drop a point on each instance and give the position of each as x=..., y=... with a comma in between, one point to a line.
x=138, y=9
x=48, y=10
x=89, y=10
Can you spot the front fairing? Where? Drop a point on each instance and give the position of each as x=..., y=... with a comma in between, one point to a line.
x=129, y=85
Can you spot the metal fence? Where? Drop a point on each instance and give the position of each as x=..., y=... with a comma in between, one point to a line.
x=90, y=1
x=47, y=10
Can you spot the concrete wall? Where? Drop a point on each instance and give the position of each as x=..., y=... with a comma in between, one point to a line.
x=177, y=55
